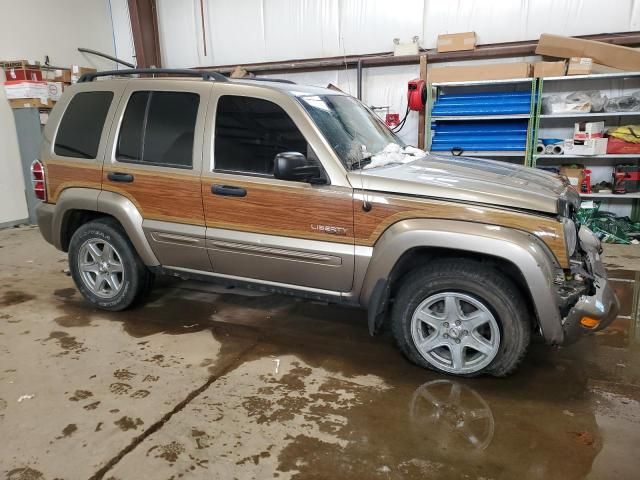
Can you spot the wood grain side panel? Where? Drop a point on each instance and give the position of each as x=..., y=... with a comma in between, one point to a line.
x=63, y=174
x=159, y=195
x=294, y=210
x=387, y=210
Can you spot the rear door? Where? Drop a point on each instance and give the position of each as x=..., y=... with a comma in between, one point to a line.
x=76, y=137
x=155, y=162
x=262, y=228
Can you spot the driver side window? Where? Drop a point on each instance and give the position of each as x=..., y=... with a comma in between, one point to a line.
x=250, y=132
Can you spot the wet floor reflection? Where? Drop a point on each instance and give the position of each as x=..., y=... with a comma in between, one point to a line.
x=456, y=415
x=541, y=423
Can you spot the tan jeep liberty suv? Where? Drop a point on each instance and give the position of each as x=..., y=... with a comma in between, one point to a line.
x=301, y=190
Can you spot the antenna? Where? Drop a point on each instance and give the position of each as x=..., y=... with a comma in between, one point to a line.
x=366, y=204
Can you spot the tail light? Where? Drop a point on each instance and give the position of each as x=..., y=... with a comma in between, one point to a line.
x=38, y=180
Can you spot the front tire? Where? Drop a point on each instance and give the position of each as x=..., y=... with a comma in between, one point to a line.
x=105, y=266
x=462, y=318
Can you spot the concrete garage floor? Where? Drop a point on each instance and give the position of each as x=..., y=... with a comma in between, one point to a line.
x=199, y=384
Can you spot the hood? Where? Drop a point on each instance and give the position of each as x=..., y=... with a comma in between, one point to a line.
x=470, y=180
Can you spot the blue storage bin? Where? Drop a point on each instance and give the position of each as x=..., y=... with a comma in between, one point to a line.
x=500, y=135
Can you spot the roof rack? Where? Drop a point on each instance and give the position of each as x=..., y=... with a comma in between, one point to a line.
x=277, y=80
x=204, y=74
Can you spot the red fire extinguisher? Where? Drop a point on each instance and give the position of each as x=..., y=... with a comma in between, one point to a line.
x=586, y=182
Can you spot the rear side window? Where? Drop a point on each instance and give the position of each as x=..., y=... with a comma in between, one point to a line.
x=158, y=129
x=250, y=132
x=82, y=123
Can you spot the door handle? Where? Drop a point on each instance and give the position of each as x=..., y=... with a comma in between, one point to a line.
x=120, y=177
x=228, y=190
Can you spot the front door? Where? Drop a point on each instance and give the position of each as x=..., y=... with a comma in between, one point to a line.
x=156, y=163
x=262, y=228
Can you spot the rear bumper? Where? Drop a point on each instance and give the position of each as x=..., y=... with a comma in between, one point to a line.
x=45, y=213
x=602, y=306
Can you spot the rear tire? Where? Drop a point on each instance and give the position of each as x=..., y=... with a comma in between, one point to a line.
x=106, y=267
x=462, y=318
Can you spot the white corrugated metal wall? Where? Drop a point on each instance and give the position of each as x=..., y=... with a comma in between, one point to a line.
x=247, y=31
x=252, y=31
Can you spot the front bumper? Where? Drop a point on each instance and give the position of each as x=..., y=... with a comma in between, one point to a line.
x=602, y=306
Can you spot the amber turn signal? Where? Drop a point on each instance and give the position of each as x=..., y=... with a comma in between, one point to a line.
x=589, y=322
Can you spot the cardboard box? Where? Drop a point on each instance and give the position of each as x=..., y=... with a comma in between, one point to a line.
x=617, y=145
x=493, y=71
x=549, y=69
x=26, y=89
x=55, y=90
x=594, y=146
x=23, y=74
x=59, y=75
x=580, y=66
x=456, y=42
x=30, y=103
x=624, y=58
x=598, y=68
x=575, y=174
x=21, y=70
x=588, y=130
x=77, y=72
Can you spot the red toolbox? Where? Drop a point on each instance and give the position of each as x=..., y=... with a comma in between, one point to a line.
x=626, y=179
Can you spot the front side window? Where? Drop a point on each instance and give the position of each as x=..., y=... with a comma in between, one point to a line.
x=82, y=123
x=158, y=129
x=250, y=132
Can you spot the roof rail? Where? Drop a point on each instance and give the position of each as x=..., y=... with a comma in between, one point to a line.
x=262, y=79
x=204, y=74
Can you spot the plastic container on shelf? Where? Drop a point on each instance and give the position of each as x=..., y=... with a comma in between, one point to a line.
x=500, y=136
x=497, y=103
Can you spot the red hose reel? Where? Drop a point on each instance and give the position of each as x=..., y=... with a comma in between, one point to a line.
x=417, y=94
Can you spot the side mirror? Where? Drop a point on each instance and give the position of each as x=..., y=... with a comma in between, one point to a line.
x=295, y=166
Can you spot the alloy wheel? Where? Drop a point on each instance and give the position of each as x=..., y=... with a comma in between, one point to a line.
x=455, y=332
x=100, y=267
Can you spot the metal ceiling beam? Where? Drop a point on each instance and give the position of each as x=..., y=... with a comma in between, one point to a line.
x=144, y=27
x=496, y=50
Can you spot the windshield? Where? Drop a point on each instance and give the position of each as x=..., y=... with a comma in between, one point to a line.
x=354, y=132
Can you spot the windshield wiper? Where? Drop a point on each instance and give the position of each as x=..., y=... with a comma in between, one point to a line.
x=360, y=163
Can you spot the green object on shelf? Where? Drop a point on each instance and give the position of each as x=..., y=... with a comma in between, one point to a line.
x=607, y=226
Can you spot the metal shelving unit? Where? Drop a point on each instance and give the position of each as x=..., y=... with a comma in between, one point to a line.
x=617, y=196
x=480, y=117
x=589, y=114
x=434, y=90
x=491, y=154
x=607, y=155
x=613, y=84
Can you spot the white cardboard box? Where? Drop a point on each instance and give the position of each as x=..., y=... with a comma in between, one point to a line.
x=587, y=130
x=26, y=89
x=55, y=90
x=592, y=146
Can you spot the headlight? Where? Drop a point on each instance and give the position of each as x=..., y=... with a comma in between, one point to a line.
x=570, y=235
x=564, y=207
x=588, y=240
